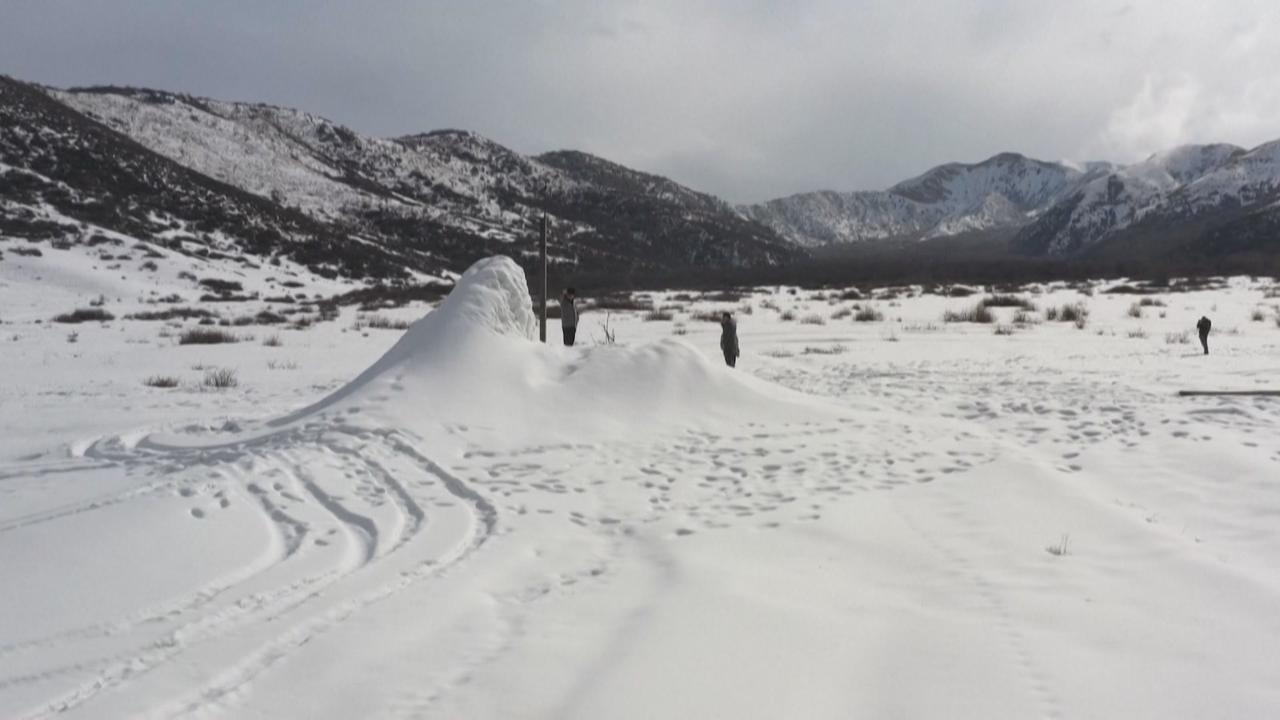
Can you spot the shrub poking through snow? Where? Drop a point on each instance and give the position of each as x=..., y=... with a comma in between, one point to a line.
x=1059, y=548
x=659, y=316
x=1071, y=312
x=679, y=329
x=813, y=319
x=1258, y=315
x=1008, y=301
x=1004, y=329
x=161, y=381
x=1023, y=317
x=842, y=313
x=220, y=378
x=830, y=350
x=787, y=315
x=382, y=322
x=979, y=313
x=1137, y=334
x=1178, y=338
x=272, y=341
x=93, y=314
x=868, y=314
x=1151, y=302
x=206, y=336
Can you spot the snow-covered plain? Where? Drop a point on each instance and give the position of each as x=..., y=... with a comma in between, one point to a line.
x=864, y=519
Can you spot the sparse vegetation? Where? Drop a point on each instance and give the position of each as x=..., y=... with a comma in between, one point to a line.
x=868, y=314
x=1177, y=338
x=177, y=313
x=659, y=316
x=1004, y=329
x=787, y=315
x=1135, y=311
x=1023, y=317
x=1137, y=334
x=93, y=314
x=206, y=336
x=272, y=341
x=382, y=322
x=978, y=313
x=161, y=381
x=1258, y=315
x=829, y=350
x=1077, y=313
x=220, y=378
x=1059, y=548
x=1009, y=301
x=813, y=319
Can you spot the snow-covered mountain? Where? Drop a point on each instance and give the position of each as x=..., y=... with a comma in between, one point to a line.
x=385, y=207
x=1054, y=208
x=1191, y=182
x=1002, y=191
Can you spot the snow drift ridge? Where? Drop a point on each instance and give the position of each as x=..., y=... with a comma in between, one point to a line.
x=474, y=360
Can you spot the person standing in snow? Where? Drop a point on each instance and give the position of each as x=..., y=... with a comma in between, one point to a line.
x=729, y=339
x=568, y=316
x=1203, y=326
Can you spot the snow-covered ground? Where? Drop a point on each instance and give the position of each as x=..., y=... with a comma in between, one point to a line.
x=897, y=518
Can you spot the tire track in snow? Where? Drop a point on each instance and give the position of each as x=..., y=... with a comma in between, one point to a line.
x=235, y=681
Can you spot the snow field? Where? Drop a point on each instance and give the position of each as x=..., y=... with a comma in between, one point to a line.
x=855, y=522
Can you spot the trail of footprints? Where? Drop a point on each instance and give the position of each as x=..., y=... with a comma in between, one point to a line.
x=702, y=481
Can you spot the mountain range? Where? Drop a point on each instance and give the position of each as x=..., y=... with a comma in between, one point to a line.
x=1052, y=208
x=208, y=178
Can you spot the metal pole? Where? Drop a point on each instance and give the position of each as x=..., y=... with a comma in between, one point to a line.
x=542, y=318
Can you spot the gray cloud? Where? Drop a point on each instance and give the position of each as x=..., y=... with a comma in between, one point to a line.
x=749, y=99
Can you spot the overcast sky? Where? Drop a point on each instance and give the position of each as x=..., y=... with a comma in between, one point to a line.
x=749, y=99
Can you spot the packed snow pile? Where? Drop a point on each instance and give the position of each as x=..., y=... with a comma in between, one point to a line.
x=475, y=359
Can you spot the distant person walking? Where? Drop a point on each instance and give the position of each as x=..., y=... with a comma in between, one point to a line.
x=729, y=339
x=569, y=316
x=1203, y=327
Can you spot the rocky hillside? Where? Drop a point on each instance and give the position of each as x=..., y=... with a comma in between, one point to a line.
x=201, y=175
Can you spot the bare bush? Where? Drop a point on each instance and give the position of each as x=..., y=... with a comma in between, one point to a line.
x=93, y=314
x=1135, y=311
x=272, y=341
x=1178, y=338
x=813, y=319
x=207, y=336
x=220, y=378
x=829, y=350
x=161, y=381
x=658, y=316
x=868, y=314
x=1009, y=301
x=1004, y=329
x=1059, y=548
x=1258, y=315
x=975, y=314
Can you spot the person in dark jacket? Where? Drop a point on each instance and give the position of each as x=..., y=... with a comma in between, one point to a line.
x=569, y=316
x=1203, y=326
x=729, y=339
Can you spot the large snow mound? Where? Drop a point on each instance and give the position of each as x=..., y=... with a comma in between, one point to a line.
x=474, y=360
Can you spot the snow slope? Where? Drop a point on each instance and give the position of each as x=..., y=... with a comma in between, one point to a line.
x=461, y=522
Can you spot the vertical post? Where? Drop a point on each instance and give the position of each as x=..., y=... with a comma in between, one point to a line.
x=542, y=316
